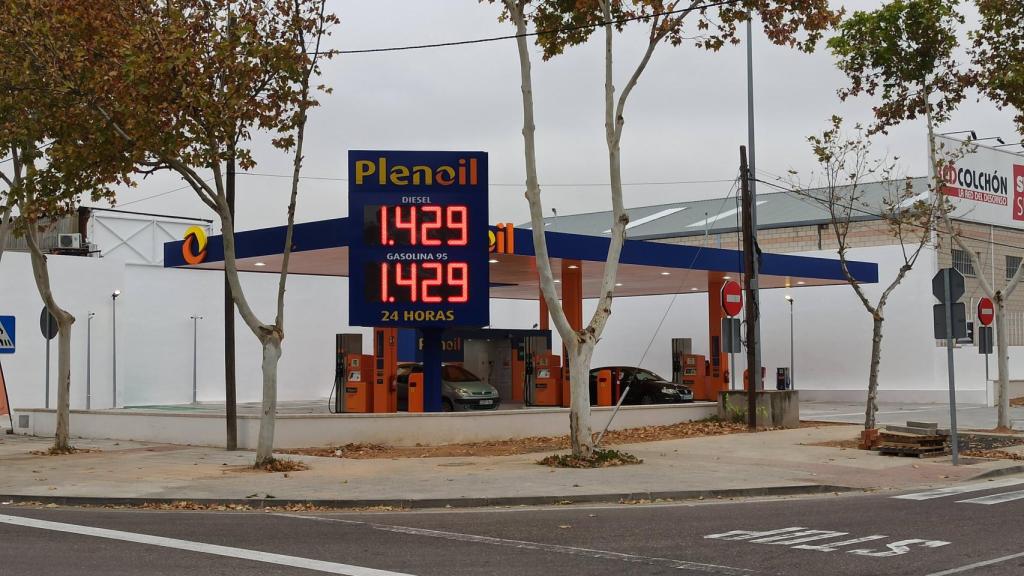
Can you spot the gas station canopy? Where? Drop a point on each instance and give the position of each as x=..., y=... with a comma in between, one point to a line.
x=646, y=268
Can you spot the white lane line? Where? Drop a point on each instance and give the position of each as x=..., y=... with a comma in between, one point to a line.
x=962, y=489
x=525, y=545
x=241, y=553
x=976, y=565
x=996, y=498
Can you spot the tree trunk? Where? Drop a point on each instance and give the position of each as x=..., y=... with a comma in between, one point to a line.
x=271, y=356
x=62, y=442
x=65, y=320
x=1002, y=356
x=580, y=431
x=876, y=358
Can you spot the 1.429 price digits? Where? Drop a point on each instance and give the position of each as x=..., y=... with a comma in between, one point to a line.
x=424, y=282
x=423, y=225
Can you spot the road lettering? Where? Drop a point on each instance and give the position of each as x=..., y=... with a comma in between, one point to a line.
x=797, y=537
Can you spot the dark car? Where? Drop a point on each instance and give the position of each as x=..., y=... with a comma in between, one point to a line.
x=460, y=388
x=645, y=387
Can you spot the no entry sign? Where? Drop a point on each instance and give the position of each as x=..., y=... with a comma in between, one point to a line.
x=986, y=311
x=732, y=298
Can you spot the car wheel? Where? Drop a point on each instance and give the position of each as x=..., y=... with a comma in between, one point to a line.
x=446, y=405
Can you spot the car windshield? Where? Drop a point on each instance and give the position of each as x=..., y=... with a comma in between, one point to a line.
x=457, y=374
x=648, y=376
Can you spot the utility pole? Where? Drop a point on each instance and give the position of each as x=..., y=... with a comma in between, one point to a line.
x=230, y=410
x=750, y=286
x=754, y=341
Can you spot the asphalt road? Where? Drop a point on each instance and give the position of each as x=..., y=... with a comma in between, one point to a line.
x=975, y=532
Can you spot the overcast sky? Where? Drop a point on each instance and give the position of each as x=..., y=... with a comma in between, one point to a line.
x=684, y=122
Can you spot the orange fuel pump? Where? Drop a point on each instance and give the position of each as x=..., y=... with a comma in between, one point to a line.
x=604, y=388
x=694, y=375
x=548, y=380
x=415, y=392
x=358, y=383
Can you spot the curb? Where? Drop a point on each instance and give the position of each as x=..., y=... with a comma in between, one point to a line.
x=998, y=472
x=410, y=503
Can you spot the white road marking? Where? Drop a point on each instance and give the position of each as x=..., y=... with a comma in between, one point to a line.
x=961, y=489
x=241, y=553
x=977, y=565
x=525, y=545
x=801, y=537
x=795, y=537
x=833, y=546
x=996, y=498
x=899, y=548
x=748, y=534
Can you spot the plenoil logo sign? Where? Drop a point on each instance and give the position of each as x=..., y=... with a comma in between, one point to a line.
x=419, y=243
x=193, y=250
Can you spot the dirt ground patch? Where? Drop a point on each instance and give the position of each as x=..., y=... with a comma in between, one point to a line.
x=851, y=443
x=523, y=445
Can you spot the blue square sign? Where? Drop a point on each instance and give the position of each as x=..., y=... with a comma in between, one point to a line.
x=6, y=334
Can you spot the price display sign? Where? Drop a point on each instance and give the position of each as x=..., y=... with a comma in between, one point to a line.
x=418, y=248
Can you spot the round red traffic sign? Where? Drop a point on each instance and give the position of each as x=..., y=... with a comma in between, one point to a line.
x=986, y=311
x=732, y=298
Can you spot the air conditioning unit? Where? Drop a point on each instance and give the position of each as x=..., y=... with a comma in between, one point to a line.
x=69, y=241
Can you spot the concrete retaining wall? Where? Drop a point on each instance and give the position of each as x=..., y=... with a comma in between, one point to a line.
x=298, y=431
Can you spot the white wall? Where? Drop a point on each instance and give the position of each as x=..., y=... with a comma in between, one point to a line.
x=80, y=285
x=154, y=332
x=833, y=333
x=832, y=336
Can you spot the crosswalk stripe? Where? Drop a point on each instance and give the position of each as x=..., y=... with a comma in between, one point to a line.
x=996, y=498
x=962, y=489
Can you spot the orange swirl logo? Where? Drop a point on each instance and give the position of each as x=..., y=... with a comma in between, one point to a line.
x=194, y=248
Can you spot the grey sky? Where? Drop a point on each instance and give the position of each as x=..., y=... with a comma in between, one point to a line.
x=684, y=122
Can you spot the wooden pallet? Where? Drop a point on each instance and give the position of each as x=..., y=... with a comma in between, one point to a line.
x=906, y=444
x=891, y=449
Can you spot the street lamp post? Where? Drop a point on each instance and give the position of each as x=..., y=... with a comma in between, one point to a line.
x=113, y=301
x=195, y=354
x=792, y=364
x=88, y=361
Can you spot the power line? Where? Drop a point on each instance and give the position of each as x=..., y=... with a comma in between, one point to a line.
x=707, y=232
x=160, y=194
x=529, y=34
x=508, y=184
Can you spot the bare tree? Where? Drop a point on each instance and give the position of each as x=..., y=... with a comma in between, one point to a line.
x=916, y=72
x=846, y=168
x=563, y=24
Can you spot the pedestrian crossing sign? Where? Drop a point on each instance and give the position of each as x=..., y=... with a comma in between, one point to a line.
x=6, y=334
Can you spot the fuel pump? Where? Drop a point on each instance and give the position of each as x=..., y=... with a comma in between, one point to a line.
x=385, y=370
x=358, y=383
x=680, y=347
x=531, y=349
x=344, y=345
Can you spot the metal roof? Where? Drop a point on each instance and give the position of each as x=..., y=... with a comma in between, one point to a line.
x=721, y=215
x=646, y=268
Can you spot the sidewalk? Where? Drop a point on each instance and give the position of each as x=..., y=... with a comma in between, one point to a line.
x=777, y=462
